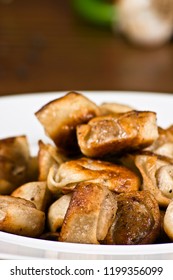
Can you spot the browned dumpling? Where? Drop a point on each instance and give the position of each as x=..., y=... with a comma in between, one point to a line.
x=90, y=214
x=115, y=177
x=14, y=163
x=61, y=116
x=114, y=108
x=168, y=221
x=164, y=143
x=57, y=212
x=20, y=216
x=137, y=219
x=157, y=175
x=48, y=155
x=117, y=133
x=36, y=192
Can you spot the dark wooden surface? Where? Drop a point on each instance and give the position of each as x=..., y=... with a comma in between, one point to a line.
x=44, y=46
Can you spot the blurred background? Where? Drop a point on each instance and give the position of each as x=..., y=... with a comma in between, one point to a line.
x=55, y=45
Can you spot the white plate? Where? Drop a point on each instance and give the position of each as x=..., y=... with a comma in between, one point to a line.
x=17, y=117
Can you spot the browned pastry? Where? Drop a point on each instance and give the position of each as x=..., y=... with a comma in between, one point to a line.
x=36, y=192
x=157, y=174
x=61, y=116
x=20, y=216
x=48, y=155
x=164, y=143
x=57, y=212
x=116, y=133
x=115, y=177
x=14, y=163
x=114, y=108
x=168, y=220
x=90, y=214
x=137, y=219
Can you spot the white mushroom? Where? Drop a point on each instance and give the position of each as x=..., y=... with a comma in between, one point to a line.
x=146, y=22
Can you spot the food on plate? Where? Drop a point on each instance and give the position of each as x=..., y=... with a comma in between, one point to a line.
x=57, y=211
x=115, y=177
x=168, y=221
x=114, y=108
x=137, y=220
x=164, y=143
x=20, y=216
x=105, y=176
x=48, y=155
x=90, y=214
x=36, y=192
x=14, y=163
x=157, y=174
x=61, y=116
x=112, y=134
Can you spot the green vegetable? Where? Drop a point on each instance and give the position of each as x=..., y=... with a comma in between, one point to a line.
x=96, y=11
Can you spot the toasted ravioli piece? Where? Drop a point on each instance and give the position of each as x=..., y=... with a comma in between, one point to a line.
x=14, y=163
x=137, y=219
x=36, y=192
x=61, y=116
x=48, y=155
x=20, y=216
x=115, y=177
x=168, y=221
x=114, y=108
x=113, y=134
x=57, y=212
x=164, y=143
x=157, y=175
x=90, y=214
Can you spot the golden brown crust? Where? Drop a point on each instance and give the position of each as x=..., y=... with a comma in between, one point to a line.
x=115, y=177
x=48, y=155
x=137, y=219
x=113, y=134
x=61, y=116
x=36, y=192
x=20, y=216
x=90, y=214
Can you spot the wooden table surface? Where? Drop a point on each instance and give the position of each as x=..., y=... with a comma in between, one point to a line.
x=45, y=46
